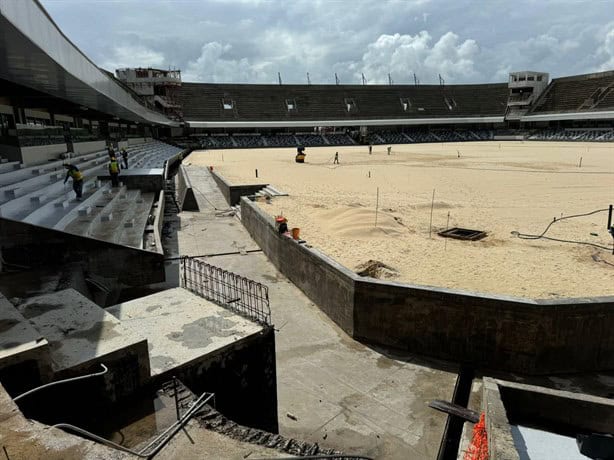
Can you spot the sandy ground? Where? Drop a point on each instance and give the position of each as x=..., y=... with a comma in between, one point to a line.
x=500, y=188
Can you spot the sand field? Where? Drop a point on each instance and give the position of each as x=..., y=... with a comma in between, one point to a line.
x=499, y=188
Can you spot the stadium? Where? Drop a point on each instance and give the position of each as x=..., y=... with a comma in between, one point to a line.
x=284, y=271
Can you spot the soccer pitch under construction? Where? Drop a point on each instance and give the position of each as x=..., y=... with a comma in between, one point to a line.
x=382, y=213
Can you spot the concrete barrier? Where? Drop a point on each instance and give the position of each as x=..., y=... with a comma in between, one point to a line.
x=40, y=154
x=88, y=147
x=27, y=244
x=233, y=193
x=159, y=222
x=185, y=193
x=487, y=331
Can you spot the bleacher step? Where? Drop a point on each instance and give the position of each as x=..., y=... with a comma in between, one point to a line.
x=20, y=342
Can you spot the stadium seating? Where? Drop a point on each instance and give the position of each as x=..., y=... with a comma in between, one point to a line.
x=584, y=135
x=338, y=139
x=37, y=195
x=578, y=93
x=207, y=102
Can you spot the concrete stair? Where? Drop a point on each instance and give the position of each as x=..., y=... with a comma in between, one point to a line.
x=89, y=214
x=21, y=344
x=81, y=336
x=133, y=227
x=111, y=225
x=270, y=191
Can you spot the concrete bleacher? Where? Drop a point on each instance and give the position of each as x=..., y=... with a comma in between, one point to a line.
x=591, y=92
x=37, y=195
x=205, y=101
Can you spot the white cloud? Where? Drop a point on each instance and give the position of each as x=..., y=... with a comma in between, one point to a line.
x=606, y=51
x=403, y=55
x=214, y=66
x=133, y=56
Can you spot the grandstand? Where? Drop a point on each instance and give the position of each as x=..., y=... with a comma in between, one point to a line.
x=36, y=195
x=577, y=94
x=204, y=102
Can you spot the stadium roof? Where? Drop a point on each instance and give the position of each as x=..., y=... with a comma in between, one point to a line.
x=35, y=53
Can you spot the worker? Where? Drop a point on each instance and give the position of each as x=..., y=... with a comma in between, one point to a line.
x=389, y=149
x=370, y=149
x=124, y=154
x=114, y=170
x=110, y=151
x=282, y=225
x=336, y=160
x=300, y=155
x=77, y=179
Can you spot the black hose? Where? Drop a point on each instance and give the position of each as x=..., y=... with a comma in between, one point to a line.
x=525, y=236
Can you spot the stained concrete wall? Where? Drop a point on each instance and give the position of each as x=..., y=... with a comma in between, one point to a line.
x=26, y=244
x=233, y=193
x=498, y=332
x=244, y=379
x=561, y=410
x=324, y=281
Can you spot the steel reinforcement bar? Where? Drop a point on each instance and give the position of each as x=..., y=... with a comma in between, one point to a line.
x=229, y=290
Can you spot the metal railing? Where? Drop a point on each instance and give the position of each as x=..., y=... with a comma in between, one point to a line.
x=229, y=290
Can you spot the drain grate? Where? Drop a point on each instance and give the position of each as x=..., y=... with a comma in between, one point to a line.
x=463, y=234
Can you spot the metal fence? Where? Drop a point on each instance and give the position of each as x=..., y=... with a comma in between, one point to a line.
x=229, y=290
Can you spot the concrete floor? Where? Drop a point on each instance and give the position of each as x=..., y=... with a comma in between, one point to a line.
x=181, y=327
x=331, y=389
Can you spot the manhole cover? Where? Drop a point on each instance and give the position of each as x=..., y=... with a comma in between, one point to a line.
x=463, y=234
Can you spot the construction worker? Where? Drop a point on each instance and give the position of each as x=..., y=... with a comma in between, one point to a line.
x=389, y=149
x=336, y=160
x=300, y=155
x=370, y=148
x=114, y=170
x=124, y=154
x=77, y=179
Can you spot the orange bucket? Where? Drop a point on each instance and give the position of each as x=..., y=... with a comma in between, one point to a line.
x=296, y=233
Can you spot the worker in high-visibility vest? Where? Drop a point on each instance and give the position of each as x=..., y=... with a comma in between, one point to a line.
x=77, y=179
x=114, y=170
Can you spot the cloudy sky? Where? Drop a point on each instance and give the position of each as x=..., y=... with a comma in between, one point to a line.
x=252, y=40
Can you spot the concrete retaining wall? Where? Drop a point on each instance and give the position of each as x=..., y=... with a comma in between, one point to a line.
x=243, y=377
x=185, y=193
x=30, y=245
x=159, y=222
x=39, y=154
x=135, y=140
x=233, y=193
x=87, y=147
x=497, y=332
